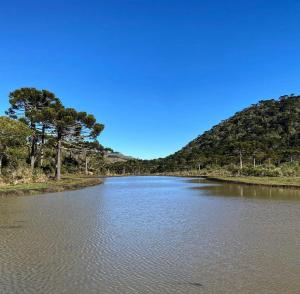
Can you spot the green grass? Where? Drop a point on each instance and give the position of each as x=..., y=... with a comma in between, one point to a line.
x=67, y=183
x=265, y=181
x=223, y=175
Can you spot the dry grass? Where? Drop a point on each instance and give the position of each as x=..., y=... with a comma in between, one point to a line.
x=67, y=183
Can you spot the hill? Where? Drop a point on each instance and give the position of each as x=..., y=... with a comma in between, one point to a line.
x=111, y=156
x=264, y=134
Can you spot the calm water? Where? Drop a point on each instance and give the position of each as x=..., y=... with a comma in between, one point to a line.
x=152, y=235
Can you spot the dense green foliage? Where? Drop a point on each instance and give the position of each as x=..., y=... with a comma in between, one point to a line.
x=13, y=135
x=259, y=140
x=41, y=137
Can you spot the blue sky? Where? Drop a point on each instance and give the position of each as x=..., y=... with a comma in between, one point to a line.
x=156, y=73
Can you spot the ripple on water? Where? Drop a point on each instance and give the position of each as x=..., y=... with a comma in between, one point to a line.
x=150, y=235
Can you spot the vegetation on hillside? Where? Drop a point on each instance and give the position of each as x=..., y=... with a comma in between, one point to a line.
x=261, y=140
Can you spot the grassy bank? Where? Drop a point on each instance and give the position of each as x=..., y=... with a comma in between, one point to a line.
x=282, y=182
x=222, y=175
x=67, y=183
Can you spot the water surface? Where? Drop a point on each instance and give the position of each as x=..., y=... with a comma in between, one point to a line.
x=152, y=235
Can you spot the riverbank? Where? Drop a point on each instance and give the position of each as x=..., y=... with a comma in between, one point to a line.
x=67, y=183
x=278, y=182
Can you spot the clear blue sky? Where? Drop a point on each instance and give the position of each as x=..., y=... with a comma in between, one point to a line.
x=156, y=73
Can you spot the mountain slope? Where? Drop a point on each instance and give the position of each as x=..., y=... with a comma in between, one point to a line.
x=269, y=128
x=264, y=133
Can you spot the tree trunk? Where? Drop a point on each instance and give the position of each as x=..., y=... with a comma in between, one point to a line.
x=241, y=159
x=86, y=162
x=32, y=147
x=254, y=162
x=32, y=161
x=1, y=157
x=32, y=154
x=58, y=161
x=42, y=146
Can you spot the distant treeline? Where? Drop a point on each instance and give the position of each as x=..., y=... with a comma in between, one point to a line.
x=40, y=136
x=263, y=139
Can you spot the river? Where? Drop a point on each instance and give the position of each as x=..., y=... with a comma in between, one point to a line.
x=155, y=235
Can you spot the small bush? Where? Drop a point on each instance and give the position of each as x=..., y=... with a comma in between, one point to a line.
x=23, y=175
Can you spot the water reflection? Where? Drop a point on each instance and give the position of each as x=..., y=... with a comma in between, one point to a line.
x=211, y=188
x=151, y=235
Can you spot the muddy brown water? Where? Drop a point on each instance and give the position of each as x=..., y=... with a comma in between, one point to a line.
x=152, y=235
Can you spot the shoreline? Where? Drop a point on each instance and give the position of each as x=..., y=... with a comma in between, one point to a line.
x=274, y=182
x=51, y=186
x=71, y=183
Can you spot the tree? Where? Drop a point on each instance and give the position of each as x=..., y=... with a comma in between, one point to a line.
x=90, y=148
x=89, y=130
x=12, y=134
x=68, y=125
x=27, y=105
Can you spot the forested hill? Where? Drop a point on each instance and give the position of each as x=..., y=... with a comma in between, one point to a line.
x=264, y=133
x=271, y=126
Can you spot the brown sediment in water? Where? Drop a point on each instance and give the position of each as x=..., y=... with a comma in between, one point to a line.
x=157, y=234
